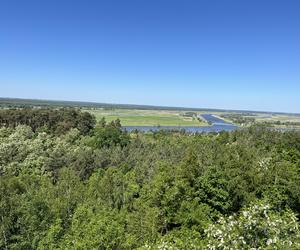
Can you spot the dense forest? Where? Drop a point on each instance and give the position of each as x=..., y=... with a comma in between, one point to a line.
x=56, y=121
x=69, y=183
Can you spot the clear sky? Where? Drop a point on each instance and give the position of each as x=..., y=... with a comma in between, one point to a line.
x=202, y=53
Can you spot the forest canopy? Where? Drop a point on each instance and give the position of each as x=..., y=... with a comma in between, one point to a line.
x=69, y=183
x=56, y=121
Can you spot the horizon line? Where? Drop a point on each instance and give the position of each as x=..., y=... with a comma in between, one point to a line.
x=144, y=105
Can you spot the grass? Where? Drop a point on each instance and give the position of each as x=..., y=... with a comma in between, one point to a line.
x=133, y=117
x=273, y=118
x=282, y=118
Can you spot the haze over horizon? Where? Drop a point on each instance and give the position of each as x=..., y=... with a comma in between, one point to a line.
x=203, y=54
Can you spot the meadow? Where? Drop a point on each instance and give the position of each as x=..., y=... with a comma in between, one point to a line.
x=137, y=117
x=278, y=117
x=145, y=115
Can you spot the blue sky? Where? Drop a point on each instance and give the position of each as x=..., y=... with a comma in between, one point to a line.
x=203, y=53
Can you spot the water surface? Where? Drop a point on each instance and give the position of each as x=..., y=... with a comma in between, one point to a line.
x=217, y=125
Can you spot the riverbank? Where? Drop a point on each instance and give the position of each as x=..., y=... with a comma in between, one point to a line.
x=216, y=124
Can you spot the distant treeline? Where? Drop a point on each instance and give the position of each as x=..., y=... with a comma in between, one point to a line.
x=239, y=119
x=22, y=103
x=31, y=103
x=57, y=121
x=189, y=114
x=286, y=123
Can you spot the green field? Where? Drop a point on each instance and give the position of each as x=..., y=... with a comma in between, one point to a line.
x=292, y=121
x=134, y=117
x=145, y=115
x=276, y=120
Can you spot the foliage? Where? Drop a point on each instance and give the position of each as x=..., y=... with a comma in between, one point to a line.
x=257, y=227
x=106, y=135
x=109, y=189
x=56, y=121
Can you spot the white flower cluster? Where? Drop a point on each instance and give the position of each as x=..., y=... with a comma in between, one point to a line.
x=20, y=151
x=264, y=163
x=255, y=228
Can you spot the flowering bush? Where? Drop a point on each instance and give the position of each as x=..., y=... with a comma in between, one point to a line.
x=257, y=227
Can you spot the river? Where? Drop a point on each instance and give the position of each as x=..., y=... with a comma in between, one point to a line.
x=217, y=125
